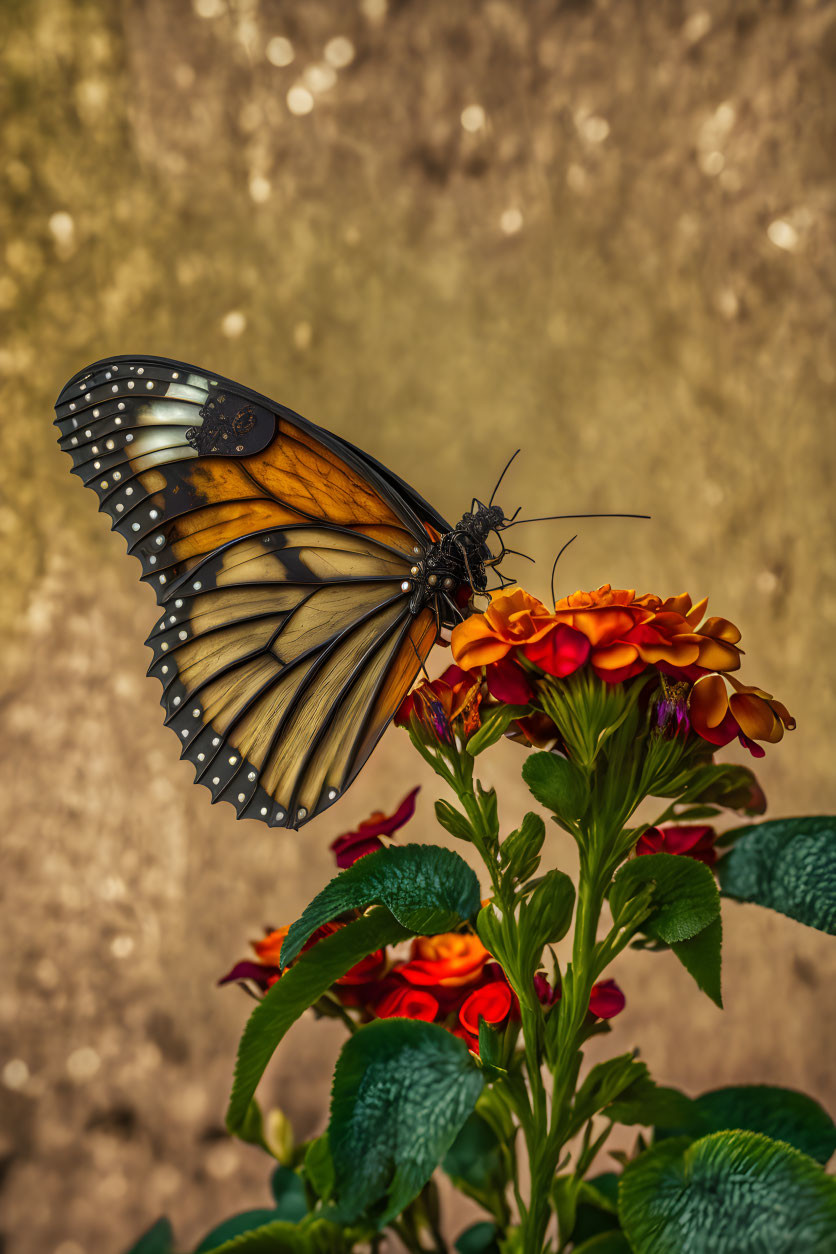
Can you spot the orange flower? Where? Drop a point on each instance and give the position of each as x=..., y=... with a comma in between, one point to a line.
x=628, y=633
x=449, y=960
x=749, y=713
x=269, y=948
x=716, y=639
x=512, y=618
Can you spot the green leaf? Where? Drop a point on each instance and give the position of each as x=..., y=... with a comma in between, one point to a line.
x=519, y=855
x=727, y=1193
x=159, y=1239
x=613, y=1242
x=733, y=787
x=596, y=1207
x=685, y=897
x=280, y=1237
x=701, y=955
x=557, y=784
x=788, y=865
x=489, y=930
x=782, y=1114
x=299, y=988
x=246, y=1221
x=648, y=1103
x=479, y=1238
x=494, y=726
x=490, y=1046
x=545, y=917
x=319, y=1167
x=604, y=1083
x=426, y=888
x=289, y=1191
x=474, y=1160
x=402, y=1091
x=453, y=821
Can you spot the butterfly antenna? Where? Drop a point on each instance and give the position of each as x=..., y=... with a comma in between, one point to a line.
x=519, y=554
x=556, y=560
x=501, y=477
x=555, y=517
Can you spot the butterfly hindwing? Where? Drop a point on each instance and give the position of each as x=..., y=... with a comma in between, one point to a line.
x=281, y=559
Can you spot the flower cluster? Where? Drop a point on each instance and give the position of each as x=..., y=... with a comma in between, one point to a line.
x=450, y=979
x=618, y=636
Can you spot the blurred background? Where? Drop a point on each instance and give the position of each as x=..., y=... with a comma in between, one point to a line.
x=600, y=230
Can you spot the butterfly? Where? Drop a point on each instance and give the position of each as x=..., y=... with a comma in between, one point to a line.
x=302, y=584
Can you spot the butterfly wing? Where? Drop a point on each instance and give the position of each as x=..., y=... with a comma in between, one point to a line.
x=281, y=558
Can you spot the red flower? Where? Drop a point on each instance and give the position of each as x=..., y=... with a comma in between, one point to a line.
x=455, y=695
x=403, y=1002
x=353, y=845
x=492, y=1002
x=545, y=993
x=606, y=1000
x=562, y=652
x=507, y=682
x=691, y=840
x=449, y=960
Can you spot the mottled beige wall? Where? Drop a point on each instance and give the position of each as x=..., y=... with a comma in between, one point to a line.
x=627, y=268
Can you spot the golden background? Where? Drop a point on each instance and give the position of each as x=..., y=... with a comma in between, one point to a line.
x=599, y=231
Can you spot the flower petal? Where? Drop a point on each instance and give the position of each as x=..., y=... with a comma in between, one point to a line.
x=507, y=682
x=708, y=702
x=756, y=718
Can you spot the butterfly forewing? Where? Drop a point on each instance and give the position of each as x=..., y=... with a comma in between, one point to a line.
x=282, y=562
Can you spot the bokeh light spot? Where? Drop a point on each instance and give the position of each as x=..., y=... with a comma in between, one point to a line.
x=783, y=235
x=511, y=221
x=233, y=324
x=15, y=1074
x=299, y=100
x=318, y=78
x=473, y=118
x=339, y=52
x=83, y=1063
x=279, y=51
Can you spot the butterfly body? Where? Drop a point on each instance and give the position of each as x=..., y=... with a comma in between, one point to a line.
x=302, y=584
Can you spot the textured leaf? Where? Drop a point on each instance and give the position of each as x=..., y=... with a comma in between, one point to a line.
x=783, y=1114
x=280, y=1237
x=701, y=955
x=556, y=783
x=246, y=1221
x=519, y=855
x=788, y=865
x=426, y=888
x=299, y=987
x=685, y=897
x=402, y=1092
x=159, y=1239
x=728, y=1193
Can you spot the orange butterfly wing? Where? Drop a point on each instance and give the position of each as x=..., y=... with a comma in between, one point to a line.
x=281, y=557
